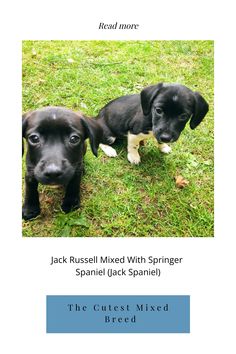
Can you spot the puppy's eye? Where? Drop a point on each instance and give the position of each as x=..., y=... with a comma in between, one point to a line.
x=158, y=110
x=183, y=116
x=74, y=139
x=34, y=139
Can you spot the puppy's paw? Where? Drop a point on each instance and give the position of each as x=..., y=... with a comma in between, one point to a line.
x=108, y=150
x=30, y=212
x=134, y=158
x=164, y=148
x=69, y=205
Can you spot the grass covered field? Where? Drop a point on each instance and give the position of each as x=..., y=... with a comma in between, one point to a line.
x=120, y=199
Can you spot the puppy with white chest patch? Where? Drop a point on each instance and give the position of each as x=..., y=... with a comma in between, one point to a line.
x=160, y=110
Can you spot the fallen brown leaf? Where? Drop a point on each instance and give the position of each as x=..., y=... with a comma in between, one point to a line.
x=180, y=182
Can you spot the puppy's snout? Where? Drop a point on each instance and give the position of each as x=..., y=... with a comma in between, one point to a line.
x=165, y=138
x=53, y=171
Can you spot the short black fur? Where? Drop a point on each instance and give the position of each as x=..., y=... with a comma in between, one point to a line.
x=55, y=149
x=163, y=109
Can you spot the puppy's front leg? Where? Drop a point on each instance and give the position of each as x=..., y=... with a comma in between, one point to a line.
x=133, y=145
x=72, y=195
x=31, y=207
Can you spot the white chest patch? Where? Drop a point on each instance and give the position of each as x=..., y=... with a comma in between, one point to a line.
x=54, y=116
x=142, y=136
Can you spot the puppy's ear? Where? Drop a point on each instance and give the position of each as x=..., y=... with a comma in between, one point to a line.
x=25, y=117
x=93, y=131
x=201, y=108
x=147, y=96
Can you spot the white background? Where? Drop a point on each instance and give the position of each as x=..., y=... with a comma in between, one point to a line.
x=207, y=273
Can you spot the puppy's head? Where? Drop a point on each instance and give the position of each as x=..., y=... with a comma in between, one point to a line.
x=171, y=107
x=55, y=137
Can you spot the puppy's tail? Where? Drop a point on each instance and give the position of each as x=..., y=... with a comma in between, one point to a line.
x=108, y=137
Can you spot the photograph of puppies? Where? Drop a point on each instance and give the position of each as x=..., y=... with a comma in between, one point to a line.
x=118, y=138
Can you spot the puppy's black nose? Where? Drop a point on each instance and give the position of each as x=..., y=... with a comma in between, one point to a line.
x=165, y=138
x=53, y=171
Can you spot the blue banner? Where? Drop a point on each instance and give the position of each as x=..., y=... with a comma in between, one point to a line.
x=118, y=314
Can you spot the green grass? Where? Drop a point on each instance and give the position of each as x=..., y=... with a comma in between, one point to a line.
x=119, y=199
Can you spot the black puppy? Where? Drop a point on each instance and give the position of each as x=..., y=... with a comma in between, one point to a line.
x=56, y=146
x=161, y=110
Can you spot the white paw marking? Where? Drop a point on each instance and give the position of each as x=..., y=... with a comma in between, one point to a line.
x=108, y=150
x=134, y=158
x=166, y=149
